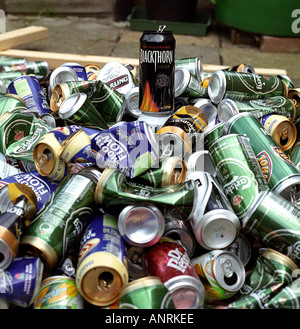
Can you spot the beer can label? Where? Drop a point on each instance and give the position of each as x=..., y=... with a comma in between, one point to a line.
x=42, y=186
x=157, y=70
x=102, y=235
x=20, y=282
x=127, y=147
x=59, y=292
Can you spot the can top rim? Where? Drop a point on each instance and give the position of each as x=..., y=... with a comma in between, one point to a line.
x=234, y=118
x=71, y=105
x=217, y=86
x=58, y=76
x=182, y=78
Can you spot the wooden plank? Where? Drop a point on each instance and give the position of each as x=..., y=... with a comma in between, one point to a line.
x=56, y=59
x=22, y=36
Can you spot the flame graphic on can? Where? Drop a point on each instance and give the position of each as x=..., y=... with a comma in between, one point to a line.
x=148, y=104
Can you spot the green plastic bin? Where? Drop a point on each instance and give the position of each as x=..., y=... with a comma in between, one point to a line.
x=266, y=17
x=196, y=26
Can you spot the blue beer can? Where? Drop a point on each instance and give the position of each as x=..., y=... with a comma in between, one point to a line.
x=79, y=69
x=102, y=263
x=21, y=281
x=28, y=88
x=42, y=186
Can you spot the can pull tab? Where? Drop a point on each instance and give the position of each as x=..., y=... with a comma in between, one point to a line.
x=161, y=28
x=227, y=268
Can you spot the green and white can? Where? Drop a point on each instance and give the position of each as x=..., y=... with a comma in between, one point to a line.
x=276, y=222
x=238, y=171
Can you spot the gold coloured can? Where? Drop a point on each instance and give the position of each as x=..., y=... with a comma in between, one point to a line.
x=102, y=263
x=282, y=130
x=46, y=156
x=92, y=71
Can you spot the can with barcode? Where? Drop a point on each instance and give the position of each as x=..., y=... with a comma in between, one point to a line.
x=62, y=219
x=156, y=73
x=169, y=261
x=280, y=173
x=238, y=171
x=282, y=130
x=222, y=272
x=146, y=293
x=28, y=88
x=102, y=264
x=244, y=86
x=276, y=222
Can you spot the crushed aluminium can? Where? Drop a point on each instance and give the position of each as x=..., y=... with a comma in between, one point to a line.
x=21, y=281
x=62, y=219
x=146, y=293
x=116, y=76
x=58, y=292
x=276, y=222
x=18, y=205
x=222, y=272
x=20, y=132
x=168, y=260
x=213, y=220
x=102, y=265
x=29, y=89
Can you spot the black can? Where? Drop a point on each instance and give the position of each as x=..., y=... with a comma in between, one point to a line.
x=157, y=72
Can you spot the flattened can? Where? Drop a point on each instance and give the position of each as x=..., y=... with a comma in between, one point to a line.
x=146, y=293
x=102, y=264
x=79, y=109
x=276, y=222
x=244, y=86
x=238, y=171
x=169, y=261
x=156, y=72
x=58, y=292
x=28, y=88
x=222, y=272
x=21, y=281
x=282, y=130
x=62, y=220
x=280, y=173
x=169, y=171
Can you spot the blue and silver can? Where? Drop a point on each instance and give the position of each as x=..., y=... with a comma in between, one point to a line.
x=102, y=264
x=21, y=281
x=29, y=89
x=79, y=69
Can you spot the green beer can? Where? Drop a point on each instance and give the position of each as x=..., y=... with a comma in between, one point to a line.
x=259, y=107
x=193, y=65
x=276, y=222
x=280, y=173
x=238, y=171
x=114, y=189
x=78, y=109
x=287, y=298
x=244, y=86
x=62, y=219
x=146, y=293
x=13, y=103
x=295, y=155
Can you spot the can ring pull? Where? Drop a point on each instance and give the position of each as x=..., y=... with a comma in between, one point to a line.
x=161, y=28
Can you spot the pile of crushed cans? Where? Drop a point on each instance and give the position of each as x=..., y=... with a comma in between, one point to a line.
x=124, y=188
